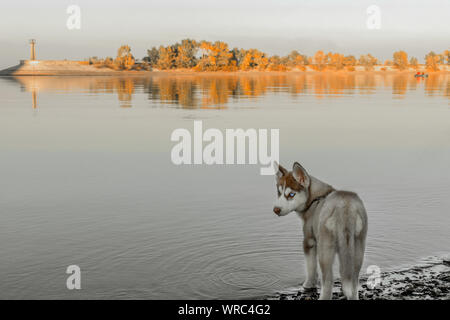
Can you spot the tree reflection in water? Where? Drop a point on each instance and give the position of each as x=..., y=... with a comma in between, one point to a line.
x=216, y=91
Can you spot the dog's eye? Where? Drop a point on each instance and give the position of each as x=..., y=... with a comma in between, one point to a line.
x=291, y=194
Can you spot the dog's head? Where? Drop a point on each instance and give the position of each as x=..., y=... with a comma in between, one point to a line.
x=292, y=189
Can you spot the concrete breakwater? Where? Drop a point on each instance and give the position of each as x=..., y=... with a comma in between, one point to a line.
x=55, y=68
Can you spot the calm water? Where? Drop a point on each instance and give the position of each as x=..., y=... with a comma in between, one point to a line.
x=86, y=179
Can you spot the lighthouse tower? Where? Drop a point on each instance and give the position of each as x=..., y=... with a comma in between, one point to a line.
x=32, y=49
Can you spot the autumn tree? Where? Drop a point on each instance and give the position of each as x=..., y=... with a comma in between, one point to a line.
x=237, y=56
x=166, y=57
x=152, y=56
x=254, y=59
x=94, y=60
x=216, y=56
x=432, y=61
x=295, y=60
x=277, y=64
x=368, y=61
x=185, y=53
x=446, y=55
x=350, y=62
x=320, y=60
x=401, y=60
x=124, y=59
x=413, y=62
x=336, y=60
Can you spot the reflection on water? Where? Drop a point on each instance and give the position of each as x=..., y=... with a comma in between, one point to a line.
x=215, y=91
x=86, y=182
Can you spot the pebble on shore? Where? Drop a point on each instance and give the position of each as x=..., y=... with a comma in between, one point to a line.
x=429, y=280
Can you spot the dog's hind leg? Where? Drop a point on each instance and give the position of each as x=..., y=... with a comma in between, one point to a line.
x=346, y=254
x=327, y=251
x=309, y=247
x=351, y=253
x=360, y=245
x=359, y=257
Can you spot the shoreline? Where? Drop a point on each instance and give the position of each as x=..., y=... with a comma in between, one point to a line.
x=207, y=73
x=427, y=280
x=74, y=68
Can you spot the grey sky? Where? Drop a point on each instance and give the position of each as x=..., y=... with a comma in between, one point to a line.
x=275, y=26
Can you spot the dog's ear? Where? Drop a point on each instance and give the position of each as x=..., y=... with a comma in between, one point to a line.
x=279, y=170
x=300, y=175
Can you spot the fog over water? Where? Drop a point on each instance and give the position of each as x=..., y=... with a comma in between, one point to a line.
x=273, y=26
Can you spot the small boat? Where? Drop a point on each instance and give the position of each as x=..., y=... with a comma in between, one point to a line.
x=421, y=75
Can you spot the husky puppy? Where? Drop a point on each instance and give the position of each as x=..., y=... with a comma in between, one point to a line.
x=334, y=222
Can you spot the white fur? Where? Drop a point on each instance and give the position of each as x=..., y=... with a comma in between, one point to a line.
x=290, y=205
x=358, y=225
x=330, y=224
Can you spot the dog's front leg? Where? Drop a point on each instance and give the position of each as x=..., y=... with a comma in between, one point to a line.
x=309, y=247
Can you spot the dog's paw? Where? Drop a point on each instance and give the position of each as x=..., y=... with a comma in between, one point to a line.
x=309, y=285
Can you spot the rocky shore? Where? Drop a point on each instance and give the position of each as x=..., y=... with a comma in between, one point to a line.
x=427, y=280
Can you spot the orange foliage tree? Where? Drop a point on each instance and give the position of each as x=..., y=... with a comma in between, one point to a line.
x=336, y=60
x=350, y=63
x=320, y=60
x=432, y=61
x=368, y=61
x=254, y=59
x=185, y=54
x=124, y=59
x=401, y=60
x=414, y=63
x=296, y=60
x=166, y=58
x=446, y=55
x=216, y=57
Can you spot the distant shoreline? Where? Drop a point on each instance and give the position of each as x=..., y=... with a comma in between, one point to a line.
x=103, y=72
x=192, y=56
x=84, y=68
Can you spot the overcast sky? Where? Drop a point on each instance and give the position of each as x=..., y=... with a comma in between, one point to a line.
x=274, y=26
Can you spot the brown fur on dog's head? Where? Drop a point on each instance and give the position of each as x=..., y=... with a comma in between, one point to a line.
x=292, y=189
